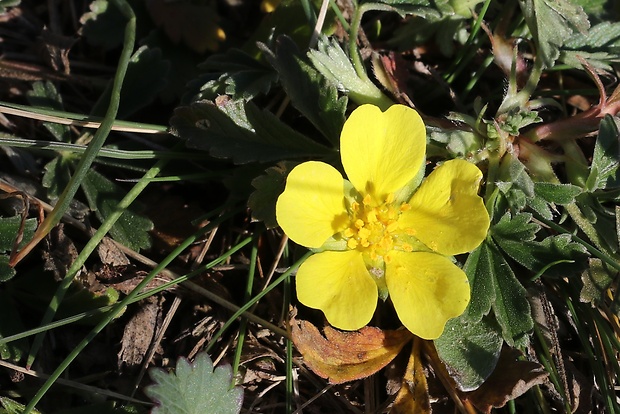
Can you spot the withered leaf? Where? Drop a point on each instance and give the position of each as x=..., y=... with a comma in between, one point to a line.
x=413, y=397
x=60, y=252
x=139, y=332
x=512, y=377
x=347, y=356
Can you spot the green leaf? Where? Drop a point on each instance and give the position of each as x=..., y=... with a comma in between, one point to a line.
x=334, y=64
x=600, y=46
x=599, y=37
x=458, y=143
x=242, y=132
x=268, y=188
x=6, y=272
x=5, y=4
x=233, y=73
x=45, y=95
x=597, y=279
x=9, y=227
x=13, y=407
x=600, y=221
x=10, y=324
x=145, y=78
x=514, y=182
x=470, y=350
x=495, y=287
x=105, y=407
x=517, y=118
x=551, y=23
x=606, y=157
x=516, y=237
x=315, y=97
x=183, y=65
x=479, y=270
x=599, y=60
x=103, y=196
x=101, y=23
x=547, y=195
x=57, y=175
x=195, y=389
x=511, y=307
x=598, y=9
x=557, y=193
x=408, y=7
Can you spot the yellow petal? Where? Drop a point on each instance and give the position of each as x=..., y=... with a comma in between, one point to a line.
x=382, y=151
x=311, y=209
x=338, y=284
x=446, y=212
x=426, y=289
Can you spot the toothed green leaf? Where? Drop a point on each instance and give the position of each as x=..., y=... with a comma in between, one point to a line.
x=195, y=388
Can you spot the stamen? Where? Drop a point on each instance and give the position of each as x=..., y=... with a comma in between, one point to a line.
x=374, y=229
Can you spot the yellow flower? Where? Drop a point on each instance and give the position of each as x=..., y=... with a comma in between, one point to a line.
x=375, y=234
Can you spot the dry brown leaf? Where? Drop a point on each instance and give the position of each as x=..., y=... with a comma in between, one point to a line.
x=413, y=397
x=512, y=377
x=139, y=332
x=60, y=252
x=347, y=356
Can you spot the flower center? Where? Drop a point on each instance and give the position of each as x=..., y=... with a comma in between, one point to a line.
x=374, y=230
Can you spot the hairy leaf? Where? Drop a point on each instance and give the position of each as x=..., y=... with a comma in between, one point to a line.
x=514, y=182
x=495, y=287
x=6, y=272
x=347, y=356
x=557, y=193
x=407, y=7
x=470, y=350
x=241, y=131
x=602, y=220
x=334, y=64
x=13, y=407
x=195, y=388
x=556, y=255
x=511, y=307
x=597, y=279
x=599, y=46
x=233, y=73
x=268, y=188
x=315, y=97
x=9, y=229
x=551, y=23
x=606, y=157
x=9, y=232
